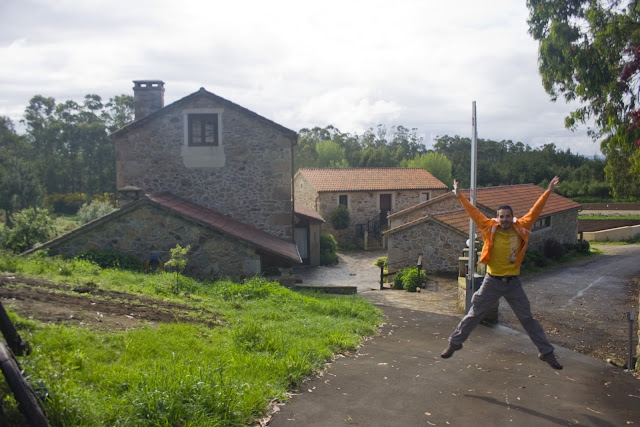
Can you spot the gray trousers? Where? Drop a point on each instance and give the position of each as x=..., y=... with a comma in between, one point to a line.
x=485, y=297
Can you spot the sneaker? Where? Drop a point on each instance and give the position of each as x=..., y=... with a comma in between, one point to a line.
x=448, y=352
x=550, y=358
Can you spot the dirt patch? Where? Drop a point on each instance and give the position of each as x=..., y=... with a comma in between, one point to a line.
x=88, y=306
x=604, y=224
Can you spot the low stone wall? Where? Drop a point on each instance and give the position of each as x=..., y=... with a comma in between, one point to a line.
x=614, y=234
x=440, y=245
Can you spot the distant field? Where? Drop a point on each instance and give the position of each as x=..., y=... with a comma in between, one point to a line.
x=605, y=224
x=611, y=206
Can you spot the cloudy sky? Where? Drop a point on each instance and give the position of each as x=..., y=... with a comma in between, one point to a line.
x=349, y=63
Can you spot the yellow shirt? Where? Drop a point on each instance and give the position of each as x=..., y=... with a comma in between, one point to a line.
x=503, y=253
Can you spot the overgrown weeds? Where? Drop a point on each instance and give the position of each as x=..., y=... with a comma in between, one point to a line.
x=182, y=373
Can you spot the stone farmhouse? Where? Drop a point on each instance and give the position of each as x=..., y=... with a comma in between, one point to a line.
x=439, y=228
x=204, y=172
x=369, y=194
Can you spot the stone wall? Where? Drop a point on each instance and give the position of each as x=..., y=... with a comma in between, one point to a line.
x=564, y=229
x=248, y=176
x=149, y=229
x=304, y=193
x=440, y=245
x=363, y=206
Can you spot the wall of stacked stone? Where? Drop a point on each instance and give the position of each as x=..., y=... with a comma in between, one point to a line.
x=304, y=193
x=440, y=245
x=151, y=229
x=254, y=184
x=564, y=229
x=363, y=207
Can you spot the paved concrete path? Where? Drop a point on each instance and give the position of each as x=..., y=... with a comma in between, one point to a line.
x=398, y=379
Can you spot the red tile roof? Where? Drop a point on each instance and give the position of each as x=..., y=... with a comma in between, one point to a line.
x=457, y=219
x=227, y=225
x=521, y=198
x=371, y=179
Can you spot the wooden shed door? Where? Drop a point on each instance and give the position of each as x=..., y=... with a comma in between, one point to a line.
x=385, y=206
x=302, y=242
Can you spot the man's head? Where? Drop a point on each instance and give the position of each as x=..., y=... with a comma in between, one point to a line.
x=505, y=216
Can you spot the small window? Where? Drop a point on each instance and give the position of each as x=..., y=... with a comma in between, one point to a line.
x=343, y=200
x=424, y=197
x=203, y=130
x=543, y=222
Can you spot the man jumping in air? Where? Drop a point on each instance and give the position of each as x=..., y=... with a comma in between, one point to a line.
x=505, y=243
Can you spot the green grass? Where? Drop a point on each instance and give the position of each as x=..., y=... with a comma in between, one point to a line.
x=612, y=215
x=634, y=241
x=269, y=339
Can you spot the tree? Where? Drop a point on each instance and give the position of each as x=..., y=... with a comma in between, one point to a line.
x=178, y=262
x=436, y=164
x=330, y=155
x=19, y=187
x=31, y=226
x=69, y=142
x=589, y=51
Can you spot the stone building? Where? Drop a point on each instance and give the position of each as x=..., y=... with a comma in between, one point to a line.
x=439, y=228
x=204, y=172
x=369, y=194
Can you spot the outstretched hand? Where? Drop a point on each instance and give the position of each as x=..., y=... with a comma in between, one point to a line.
x=553, y=183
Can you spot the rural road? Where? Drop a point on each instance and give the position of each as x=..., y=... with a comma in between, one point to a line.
x=584, y=305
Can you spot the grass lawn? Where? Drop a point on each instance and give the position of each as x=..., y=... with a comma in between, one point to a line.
x=248, y=345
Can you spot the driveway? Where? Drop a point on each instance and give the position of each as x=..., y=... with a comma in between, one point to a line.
x=357, y=269
x=397, y=377
x=583, y=306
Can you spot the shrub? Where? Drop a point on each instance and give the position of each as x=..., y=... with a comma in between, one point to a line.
x=30, y=226
x=398, y=279
x=96, y=209
x=68, y=203
x=553, y=249
x=328, y=247
x=534, y=259
x=382, y=262
x=413, y=279
x=583, y=247
x=340, y=218
x=110, y=258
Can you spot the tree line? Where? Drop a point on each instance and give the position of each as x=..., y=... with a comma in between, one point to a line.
x=66, y=149
x=498, y=162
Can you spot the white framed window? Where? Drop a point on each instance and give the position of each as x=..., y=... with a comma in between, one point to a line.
x=425, y=196
x=203, y=145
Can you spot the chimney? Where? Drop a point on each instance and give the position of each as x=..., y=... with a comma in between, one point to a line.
x=148, y=96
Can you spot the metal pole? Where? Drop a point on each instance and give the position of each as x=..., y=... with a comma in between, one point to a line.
x=630, y=319
x=472, y=198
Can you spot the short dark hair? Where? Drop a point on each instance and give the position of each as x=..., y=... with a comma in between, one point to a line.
x=505, y=207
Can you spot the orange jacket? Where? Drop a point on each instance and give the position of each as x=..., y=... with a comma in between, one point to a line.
x=488, y=226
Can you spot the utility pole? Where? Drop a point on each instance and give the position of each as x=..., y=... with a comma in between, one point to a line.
x=471, y=268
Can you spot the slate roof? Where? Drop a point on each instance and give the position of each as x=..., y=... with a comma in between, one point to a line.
x=227, y=225
x=371, y=179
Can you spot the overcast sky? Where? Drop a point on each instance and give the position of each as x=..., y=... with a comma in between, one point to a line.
x=350, y=64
